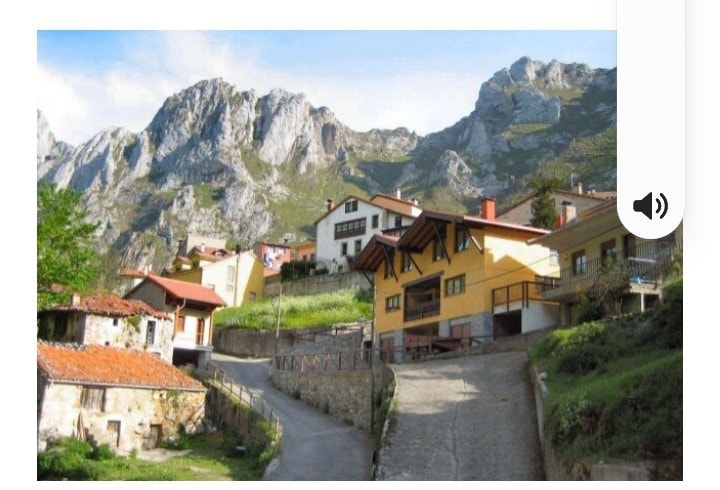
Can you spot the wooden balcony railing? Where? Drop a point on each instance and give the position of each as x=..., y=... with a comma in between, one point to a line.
x=522, y=292
x=422, y=310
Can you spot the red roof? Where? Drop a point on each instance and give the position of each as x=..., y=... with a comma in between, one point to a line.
x=110, y=366
x=185, y=290
x=111, y=305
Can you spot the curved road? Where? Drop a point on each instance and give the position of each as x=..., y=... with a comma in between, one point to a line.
x=315, y=446
x=471, y=418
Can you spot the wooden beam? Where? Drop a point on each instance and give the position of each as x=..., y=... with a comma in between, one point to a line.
x=477, y=245
x=417, y=268
x=389, y=262
x=442, y=242
x=369, y=279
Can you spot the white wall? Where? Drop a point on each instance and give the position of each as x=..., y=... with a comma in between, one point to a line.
x=186, y=338
x=540, y=315
x=328, y=248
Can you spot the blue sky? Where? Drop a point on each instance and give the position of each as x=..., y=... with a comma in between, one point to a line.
x=424, y=80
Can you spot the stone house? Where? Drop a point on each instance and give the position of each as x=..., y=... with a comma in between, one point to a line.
x=192, y=308
x=105, y=319
x=128, y=399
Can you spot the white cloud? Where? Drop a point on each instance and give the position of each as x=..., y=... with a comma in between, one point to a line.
x=78, y=105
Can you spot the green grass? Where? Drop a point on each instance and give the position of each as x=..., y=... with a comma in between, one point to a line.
x=206, y=196
x=344, y=306
x=616, y=386
x=516, y=130
x=210, y=459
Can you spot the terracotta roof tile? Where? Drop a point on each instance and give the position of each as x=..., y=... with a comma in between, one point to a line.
x=111, y=305
x=187, y=290
x=110, y=366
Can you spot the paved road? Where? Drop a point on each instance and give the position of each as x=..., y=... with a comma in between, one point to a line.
x=470, y=418
x=315, y=446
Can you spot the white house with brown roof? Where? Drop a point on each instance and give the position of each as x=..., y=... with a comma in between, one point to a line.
x=192, y=308
x=125, y=398
x=105, y=319
x=344, y=230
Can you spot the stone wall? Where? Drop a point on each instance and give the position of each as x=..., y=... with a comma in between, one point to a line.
x=261, y=343
x=342, y=394
x=248, y=425
x=326, y=283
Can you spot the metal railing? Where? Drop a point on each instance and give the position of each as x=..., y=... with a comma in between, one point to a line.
x=645, y=263
x=246, y=397
x=429, y=345
x=355, y=360
x=422, y=310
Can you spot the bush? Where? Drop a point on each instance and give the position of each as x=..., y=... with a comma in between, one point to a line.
x=563, y=339
x=582, y=359
x=68, y=458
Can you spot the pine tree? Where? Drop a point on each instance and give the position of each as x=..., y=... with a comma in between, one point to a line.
x=543, y=206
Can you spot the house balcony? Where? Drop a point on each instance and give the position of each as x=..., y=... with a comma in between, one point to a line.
x=519, y=295
x=642, y=269
x=422, y=310
x=422, y=300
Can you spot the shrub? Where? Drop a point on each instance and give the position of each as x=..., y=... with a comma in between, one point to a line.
x=582, y=359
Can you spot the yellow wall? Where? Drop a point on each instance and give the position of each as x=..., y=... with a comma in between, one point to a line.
x=506, y=259
x=193, y=275
x=250, y=278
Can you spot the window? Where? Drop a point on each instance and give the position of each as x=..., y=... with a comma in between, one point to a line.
x=407, y=264
x=438, y=252
x=375, y=221
x=115, y=322
x=93, y=398
x=398, y=221
x=389, y=269
x=358, y=247
x=351, y=206
x=343, y=249
x=455, y=285
x=608, y=251
x=150, y=337
x=180, y=324
x=231, y=274
x=350, y=228
x=312, y=257
x=392, y=303
x=579, y=261
x=462, y=238
x=252, y=296
x=229, y=288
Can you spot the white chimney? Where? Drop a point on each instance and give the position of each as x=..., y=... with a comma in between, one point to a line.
x=202, y=247
x=568, y=211
x=398, y=193
x=329, y=205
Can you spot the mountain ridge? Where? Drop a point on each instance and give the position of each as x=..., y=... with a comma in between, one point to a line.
x=224, y=162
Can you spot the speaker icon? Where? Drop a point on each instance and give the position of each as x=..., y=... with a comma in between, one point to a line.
x=645, y=207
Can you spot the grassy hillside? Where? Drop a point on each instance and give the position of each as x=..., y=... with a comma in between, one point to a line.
x=346, y=306
x=615, y=387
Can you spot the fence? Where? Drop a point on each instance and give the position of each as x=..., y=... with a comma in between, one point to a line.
x=246, y=397
x=337, y=361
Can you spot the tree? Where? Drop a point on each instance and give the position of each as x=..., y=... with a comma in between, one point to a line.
x=67, y=260
x=543, y=206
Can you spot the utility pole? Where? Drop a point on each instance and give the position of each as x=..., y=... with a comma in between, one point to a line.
x=277, y=328
x=372, y=367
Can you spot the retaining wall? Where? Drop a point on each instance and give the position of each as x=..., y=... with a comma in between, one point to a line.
x=326, y=283
x=241, y=420
x=342, y=394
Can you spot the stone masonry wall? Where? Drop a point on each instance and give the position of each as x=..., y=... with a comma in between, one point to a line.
x=230, y=416
x=326, y=283
x=342, y=394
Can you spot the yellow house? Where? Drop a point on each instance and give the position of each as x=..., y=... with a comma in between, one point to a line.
x=590, y=243
x=236, y=277
x=452, y=280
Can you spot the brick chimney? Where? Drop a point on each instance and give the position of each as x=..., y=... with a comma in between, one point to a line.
x=329, y=205
x=487, y=208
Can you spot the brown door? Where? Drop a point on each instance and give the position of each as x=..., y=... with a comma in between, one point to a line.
x=387, y=348
x=200, y=331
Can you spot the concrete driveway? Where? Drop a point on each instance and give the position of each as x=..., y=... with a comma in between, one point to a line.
x=470, y=418
x=315, y=446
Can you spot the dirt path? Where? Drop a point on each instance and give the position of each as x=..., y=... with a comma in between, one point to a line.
x=463, y=419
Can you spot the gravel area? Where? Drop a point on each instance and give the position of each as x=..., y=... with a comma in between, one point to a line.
x=470, y=418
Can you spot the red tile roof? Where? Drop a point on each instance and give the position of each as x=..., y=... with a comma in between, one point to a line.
x=394, y=204
x=110, y=366
x=111, y=305
x=186, y=290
